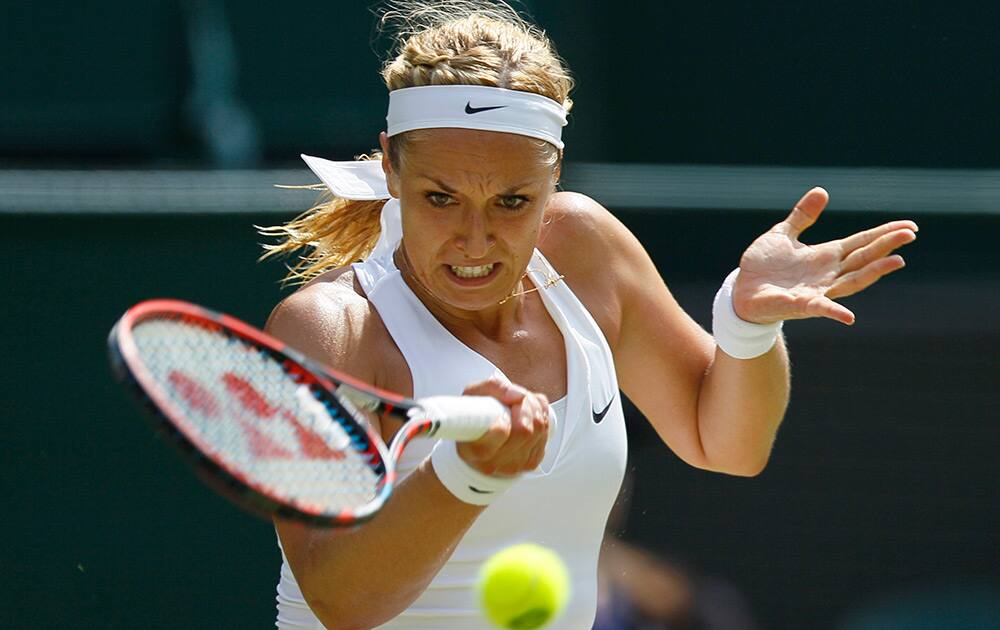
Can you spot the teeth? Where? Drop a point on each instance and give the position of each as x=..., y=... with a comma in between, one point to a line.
x=472, y=272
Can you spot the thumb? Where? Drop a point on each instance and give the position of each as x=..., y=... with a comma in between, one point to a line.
x=805, y=212
x=499, y=388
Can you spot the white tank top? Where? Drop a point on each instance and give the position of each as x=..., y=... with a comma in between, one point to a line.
x=564, y=504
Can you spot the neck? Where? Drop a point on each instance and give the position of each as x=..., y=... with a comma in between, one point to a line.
x=496, y=321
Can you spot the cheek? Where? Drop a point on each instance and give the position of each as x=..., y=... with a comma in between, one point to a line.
x=424, y=238
x=528, y=239
x=519, y=242
x=531, y=226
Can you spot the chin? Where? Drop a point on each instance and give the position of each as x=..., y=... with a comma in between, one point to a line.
x=468, y=302
x=473, y=298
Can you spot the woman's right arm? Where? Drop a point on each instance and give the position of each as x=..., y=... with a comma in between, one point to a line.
x=363, y=577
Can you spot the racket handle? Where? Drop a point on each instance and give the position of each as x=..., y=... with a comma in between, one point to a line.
x=460, y=418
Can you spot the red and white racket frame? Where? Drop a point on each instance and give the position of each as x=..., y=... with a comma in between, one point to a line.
x=224, y=478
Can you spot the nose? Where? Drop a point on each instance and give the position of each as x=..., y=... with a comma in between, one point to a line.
x=475, y=239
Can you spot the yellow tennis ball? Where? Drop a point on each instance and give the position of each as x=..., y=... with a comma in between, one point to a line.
x=523, y=587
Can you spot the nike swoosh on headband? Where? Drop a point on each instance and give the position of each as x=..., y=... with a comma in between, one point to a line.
x=599, y=415
x=469, y=109
x=478, y=491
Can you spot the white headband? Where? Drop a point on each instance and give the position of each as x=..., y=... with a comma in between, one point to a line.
x=363, y=180
x=476, y=107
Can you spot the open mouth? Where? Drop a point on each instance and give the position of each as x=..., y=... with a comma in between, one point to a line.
x=480, y=271
x=473, y=275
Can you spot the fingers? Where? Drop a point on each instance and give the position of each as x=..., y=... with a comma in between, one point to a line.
x=500, y=388
x=867, y=256
x=513, y=445
x=805, y=212
x=822, y=306
x=527, y=438
x=851, y=283
x=810, y=278
x=536, y=457
x=861, y=239
x=876, y=249
x=486, y=447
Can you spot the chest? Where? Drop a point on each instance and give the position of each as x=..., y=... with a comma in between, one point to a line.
x=533, y=355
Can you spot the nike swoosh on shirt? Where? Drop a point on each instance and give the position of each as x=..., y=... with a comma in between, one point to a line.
x=599, y=415
x=469, y=109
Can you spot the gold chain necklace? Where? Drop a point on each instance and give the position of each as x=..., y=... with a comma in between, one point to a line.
x=550, y=280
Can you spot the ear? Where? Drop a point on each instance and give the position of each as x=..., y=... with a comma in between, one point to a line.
x=391, y=177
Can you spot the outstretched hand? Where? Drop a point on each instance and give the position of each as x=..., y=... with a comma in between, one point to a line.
x=783, y=278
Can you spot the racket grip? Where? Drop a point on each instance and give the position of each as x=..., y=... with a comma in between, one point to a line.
x=460, y=418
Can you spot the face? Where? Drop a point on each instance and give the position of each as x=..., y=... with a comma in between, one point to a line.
x=472, y=208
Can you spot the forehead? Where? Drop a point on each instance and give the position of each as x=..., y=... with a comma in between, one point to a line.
x=475, y=152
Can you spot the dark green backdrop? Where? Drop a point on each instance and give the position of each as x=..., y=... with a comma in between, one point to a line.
x=908, y=83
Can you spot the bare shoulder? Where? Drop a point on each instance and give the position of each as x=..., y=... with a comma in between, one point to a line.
x=575, y=221
x=331, y=321
x=590, y=247
x=576, y=213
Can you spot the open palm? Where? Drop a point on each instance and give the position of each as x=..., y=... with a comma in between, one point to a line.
x=782, y=278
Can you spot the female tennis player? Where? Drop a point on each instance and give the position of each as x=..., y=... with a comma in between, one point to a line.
x=476, y=276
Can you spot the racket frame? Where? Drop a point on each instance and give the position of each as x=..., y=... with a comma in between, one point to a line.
x=223, y=478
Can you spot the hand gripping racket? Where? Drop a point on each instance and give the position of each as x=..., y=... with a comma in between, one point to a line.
x=268, y=428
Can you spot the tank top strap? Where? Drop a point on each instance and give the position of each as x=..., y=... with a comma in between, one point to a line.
x=591, y=363
x=550, y=283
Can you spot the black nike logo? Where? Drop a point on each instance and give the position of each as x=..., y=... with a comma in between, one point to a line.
x=469, y=109
x=478, y=491
x=599, y=415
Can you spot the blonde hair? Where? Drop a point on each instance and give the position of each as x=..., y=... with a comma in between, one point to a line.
x=450, y=42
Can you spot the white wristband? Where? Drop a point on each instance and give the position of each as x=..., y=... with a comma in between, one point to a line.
x=464, y=481
x=738, y=338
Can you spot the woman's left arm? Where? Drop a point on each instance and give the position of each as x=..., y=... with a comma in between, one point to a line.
x=715, y=411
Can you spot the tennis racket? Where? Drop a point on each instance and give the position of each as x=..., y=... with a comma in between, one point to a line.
x=268, y=428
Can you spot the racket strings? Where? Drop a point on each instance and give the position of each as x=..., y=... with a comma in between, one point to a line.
x=263, y=425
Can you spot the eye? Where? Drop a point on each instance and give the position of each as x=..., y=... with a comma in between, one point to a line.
x=438, y=199
x=513, y=202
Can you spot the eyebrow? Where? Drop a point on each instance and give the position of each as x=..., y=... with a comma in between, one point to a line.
x=445, y=187
x=448, y=189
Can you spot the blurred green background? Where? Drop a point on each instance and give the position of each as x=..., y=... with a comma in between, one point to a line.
x=138, y=146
